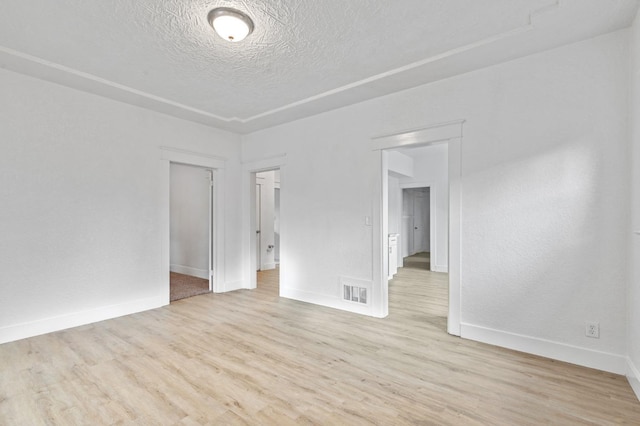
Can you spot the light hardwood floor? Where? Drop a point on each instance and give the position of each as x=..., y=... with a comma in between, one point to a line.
x=250, y=357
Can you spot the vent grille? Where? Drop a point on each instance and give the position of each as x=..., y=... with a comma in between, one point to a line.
x=354, y=293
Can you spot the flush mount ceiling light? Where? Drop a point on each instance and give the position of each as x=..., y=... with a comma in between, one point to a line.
x=230, y=24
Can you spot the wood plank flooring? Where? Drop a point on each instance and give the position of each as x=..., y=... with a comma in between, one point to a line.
x=250, y=357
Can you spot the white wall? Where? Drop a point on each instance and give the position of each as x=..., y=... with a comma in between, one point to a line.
x=633, y=320
x=190, y=199
x=394, y=218
x=544, y=196
x=276, y=225
x=431, y=169
x=81, y=196
x=400, y=164
x=395, y=205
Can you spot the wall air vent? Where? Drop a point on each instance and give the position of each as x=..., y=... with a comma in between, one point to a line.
x=354, y=293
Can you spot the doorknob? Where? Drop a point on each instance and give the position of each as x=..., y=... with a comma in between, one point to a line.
x=415, y=227
x=257, y=232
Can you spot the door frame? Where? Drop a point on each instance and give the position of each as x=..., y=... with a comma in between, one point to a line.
x=249, y=240
x=258, y=224
x=451, y=133
x=217, y=166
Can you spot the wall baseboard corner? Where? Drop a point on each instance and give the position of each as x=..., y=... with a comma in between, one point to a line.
x=633, y=376
x=326, y=300
x=188, y=270
x=612, y=363
x=268, y=266
x=232, y=286
x=62, y=322
x=440, y=268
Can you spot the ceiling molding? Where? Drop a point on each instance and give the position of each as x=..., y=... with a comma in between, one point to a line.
x=209, y=118
x=449, y=53
x=57, y=73
x=498, y=48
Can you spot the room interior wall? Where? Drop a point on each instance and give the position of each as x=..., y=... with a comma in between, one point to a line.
x=544, y=196
x=81, y=196
x=431, y=167
x=427, y=218
x=276, y=225
x=190, y=200
x=633, y=321
x=400, y=164
x=395, y=213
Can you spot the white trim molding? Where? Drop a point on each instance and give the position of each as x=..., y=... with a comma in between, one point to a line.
x=277, y=114
x=192, y=158
x=451, y=133
x=633, y=376
x=604, y=361
x=325, y=300
x=232, y=286
x=265, y=164
x=248, y=233
x=217, y=164
x=62, y=322
x=268, y=266
x=188, y=270
x=440, y=132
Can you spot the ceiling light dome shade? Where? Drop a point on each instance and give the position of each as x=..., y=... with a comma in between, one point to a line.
x=230, y=24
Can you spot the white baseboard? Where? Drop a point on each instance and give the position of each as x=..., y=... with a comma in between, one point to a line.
x=48, y=325
x=232, y=286
x=440, y=268
x=325, y=300
x=188, y=270
x=633, y=376
x=268, y=266
x=604, y=361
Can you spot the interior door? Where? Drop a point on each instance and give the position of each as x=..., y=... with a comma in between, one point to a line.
x=276, y=225
x=211, y=229
x=419, y=223
x=407, y=222
x=258, y=226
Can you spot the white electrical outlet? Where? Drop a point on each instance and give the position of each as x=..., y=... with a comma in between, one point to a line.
x=592, y=329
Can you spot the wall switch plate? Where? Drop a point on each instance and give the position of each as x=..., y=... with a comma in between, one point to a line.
x=592, y=329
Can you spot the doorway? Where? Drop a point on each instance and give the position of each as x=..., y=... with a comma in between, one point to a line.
x=416, y=221
x=250, y=258
x=449, y=134
x=267, y=233
x=191, y=228
x=412, y=208
x=258, y=225
x=217, y=167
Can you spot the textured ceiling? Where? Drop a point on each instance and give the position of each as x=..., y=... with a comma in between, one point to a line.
x=304, y=57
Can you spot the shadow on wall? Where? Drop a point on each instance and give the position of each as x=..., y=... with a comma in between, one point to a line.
x=552, y=258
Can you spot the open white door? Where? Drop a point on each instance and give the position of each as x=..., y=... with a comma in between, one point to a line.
x=258, y=226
